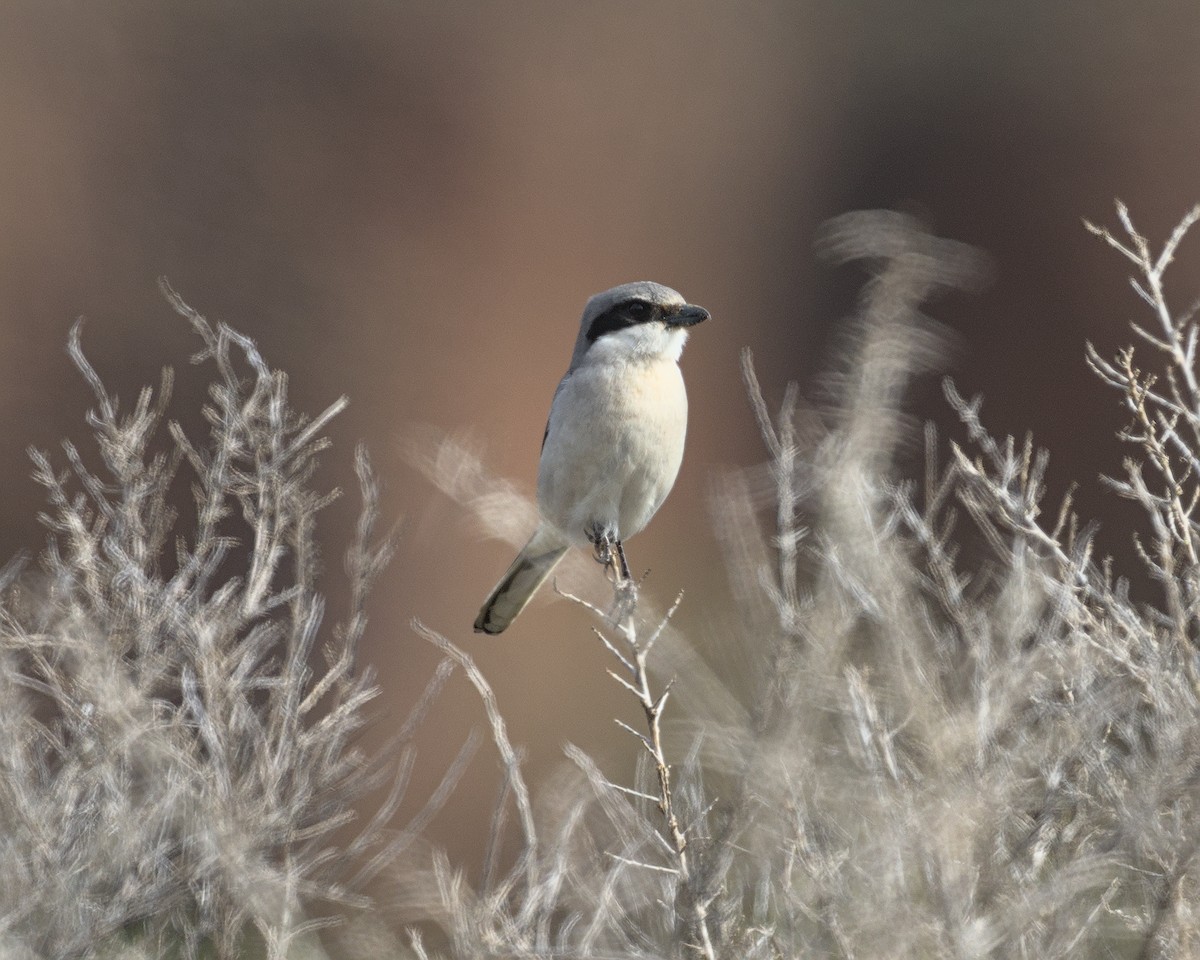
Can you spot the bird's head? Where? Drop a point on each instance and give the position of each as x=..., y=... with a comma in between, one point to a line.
x=641, y=320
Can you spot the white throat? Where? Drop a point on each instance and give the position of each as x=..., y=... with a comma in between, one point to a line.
x=643, y=342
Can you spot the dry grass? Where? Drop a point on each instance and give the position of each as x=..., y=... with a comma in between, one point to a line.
x=176, y=720
x=933, y=757
x=933, y=752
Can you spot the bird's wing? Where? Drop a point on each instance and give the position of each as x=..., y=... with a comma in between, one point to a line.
x=557, y=391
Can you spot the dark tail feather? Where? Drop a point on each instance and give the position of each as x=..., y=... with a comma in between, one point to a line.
x=519, y=583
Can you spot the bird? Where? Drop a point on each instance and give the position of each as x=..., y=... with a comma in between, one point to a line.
x=613, y=442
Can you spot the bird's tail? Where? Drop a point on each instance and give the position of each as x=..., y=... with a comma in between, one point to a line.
x=519, y=583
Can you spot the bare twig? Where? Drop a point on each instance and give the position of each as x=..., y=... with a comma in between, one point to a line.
x=633, y=656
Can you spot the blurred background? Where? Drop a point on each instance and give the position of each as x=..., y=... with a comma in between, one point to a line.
x=409, y=203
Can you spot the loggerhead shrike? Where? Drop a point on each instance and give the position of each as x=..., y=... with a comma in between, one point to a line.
x=614, y=439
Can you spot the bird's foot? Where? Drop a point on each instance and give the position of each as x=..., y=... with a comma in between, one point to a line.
x=623, y=563
x=609, y=551
x=601, y=541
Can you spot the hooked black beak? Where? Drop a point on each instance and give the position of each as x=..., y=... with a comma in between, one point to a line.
x=687, y=316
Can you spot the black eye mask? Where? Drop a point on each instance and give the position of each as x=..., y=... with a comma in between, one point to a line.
x=626, y=314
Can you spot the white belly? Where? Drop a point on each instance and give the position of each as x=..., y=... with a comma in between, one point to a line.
x=613, y=449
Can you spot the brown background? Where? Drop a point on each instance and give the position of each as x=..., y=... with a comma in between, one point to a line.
x=409, y=203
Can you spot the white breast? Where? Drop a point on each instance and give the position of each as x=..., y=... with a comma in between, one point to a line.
x=614, y=445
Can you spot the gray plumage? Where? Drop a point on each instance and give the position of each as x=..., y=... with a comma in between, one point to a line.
x=614, y=439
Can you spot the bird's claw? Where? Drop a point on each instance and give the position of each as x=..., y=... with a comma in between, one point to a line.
x=609, y=552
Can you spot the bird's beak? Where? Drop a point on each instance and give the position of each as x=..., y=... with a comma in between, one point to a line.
x=688, y=316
